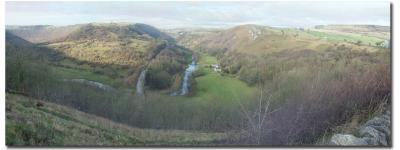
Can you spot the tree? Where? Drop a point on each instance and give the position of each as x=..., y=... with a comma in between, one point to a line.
x=257, y=115
x=359, y=42
x=379, y=43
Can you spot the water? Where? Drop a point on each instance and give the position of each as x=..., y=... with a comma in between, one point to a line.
x=185, y=83
x=140, y=83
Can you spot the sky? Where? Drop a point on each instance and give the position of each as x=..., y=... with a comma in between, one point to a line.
x=199, y=14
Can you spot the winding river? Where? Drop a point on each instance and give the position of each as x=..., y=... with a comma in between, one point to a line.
x=185, y=83
x=140, y=83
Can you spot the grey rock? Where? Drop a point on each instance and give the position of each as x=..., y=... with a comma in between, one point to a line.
x=347, y=140
x=375, y=132
x=382, y=128
x=387, y=112
x=377, y=121
x=377, y=137
x=386, y=117
x=371, y=141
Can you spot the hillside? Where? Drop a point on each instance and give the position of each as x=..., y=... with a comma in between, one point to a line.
x=42, y=33
x=119, y=51
x=50, y=34
x=238, y=49
x=31, y=122
x=311, y=75
x=256, y=39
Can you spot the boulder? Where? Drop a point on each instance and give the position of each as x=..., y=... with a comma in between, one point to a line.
x=378, y=121
x=375, y=132
x=376, y=137
x=347, y=140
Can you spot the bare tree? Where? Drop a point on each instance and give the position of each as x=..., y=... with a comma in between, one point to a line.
x=257, y=115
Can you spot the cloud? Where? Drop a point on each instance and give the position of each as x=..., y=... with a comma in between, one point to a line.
x=199, y=14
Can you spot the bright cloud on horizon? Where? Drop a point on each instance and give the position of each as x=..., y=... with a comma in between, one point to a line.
x=199, y=14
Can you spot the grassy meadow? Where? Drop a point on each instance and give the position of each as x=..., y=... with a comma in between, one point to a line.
x=214, y=84
x=57, y=125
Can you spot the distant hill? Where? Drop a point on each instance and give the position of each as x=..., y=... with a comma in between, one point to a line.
x=256, y=39
x=119, y=51
x=249, y=39
x=105, y=31
x=114, y=31
x=42, y=33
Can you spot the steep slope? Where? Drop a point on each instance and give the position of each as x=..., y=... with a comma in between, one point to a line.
x=42, y=33
x=49, y=34
x=17, y=46
x=241, y=48
x=114, y=31
x=119, y=51
x=254, y=39
x=31, y=122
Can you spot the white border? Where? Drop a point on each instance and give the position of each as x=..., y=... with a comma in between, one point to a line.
x=395, y=63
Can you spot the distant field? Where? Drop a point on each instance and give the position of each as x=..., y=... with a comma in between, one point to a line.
x=350, y=37
x=206, y=60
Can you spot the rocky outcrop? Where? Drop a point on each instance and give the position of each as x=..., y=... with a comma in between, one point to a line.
x=347, y=140
x=375, y=132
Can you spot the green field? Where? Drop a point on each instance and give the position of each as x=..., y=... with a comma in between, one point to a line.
x=215, y=85
x=223, y=87
x=67, y=73
x=350, y=37
x=207, y=60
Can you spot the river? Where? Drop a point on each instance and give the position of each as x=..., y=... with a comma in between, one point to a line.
x=140, y=83
x=186, y=77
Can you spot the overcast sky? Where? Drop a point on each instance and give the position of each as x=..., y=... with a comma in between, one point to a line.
x=199, y=14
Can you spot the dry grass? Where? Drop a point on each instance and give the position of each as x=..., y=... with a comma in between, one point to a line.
x=77, y=128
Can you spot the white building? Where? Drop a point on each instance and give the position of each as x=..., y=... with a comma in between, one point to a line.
x=216, y=67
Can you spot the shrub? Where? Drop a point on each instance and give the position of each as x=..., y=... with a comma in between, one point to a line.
x=326, y=103
x=158, y=79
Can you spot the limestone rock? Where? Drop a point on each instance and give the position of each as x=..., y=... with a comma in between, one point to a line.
x=347, y=140
x=375, y=132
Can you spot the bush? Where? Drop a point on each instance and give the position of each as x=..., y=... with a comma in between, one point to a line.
x=21, y=134
x=326, y=103
x=158, y=79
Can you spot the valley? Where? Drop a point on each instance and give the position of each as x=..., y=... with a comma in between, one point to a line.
x=133, y=84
